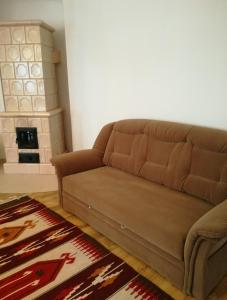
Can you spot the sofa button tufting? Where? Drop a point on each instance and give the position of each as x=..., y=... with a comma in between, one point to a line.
x=123, y=226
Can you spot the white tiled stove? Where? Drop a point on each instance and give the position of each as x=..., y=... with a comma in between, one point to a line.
x=29, y=89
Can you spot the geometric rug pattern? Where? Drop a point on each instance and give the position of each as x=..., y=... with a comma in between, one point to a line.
x=43, y=256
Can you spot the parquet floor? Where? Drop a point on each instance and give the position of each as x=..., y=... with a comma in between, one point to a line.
x=50, y=199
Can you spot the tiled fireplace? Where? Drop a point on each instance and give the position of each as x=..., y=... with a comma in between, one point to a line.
x=31, y=125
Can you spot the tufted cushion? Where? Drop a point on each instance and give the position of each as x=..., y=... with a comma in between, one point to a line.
x=126, y=148
x=207, y=178
x=154, y=150
x=186, y=158
x=167, y=154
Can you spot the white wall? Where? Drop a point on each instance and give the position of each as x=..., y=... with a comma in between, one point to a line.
x=51, y=12
x=145, y=59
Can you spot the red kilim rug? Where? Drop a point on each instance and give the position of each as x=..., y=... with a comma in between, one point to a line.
x=43, y=256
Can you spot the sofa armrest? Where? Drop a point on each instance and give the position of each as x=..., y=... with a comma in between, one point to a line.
x=78, y=161
x=75, y=162
x=203, y=237
x=212, y=225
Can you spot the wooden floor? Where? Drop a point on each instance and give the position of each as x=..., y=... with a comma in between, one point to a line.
x=50, y=199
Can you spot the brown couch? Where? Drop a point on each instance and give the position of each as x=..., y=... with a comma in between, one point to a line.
x=158, y=189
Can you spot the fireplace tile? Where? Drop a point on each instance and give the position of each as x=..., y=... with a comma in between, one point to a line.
x=48, y=70
x=25, y=103
x=51, y=102
x=42, y=156
x=44, y=140
x=2, y=53
x=21, y=168
x=47, y=169
x=6, y=139
x=46, y=37
x=32, y=34
x=21, y=122
x=5, y=37
x=35, y=122
x=9, y=140
x=50, y=86
x=6, y=125
x=16, y=87
x=12, y=53
x=11, y=154
x=21, y=70
x=18, y=35
x=11, y=103
x=5, y=87
x=45, y=125
x=39, y=103
x=36, y=70
x=27, y=52
x=38, y=52
x=30, y=87
x=48, y=155
x=7, y=71
x=47, y=54
x=12, y=140
x=41, y=88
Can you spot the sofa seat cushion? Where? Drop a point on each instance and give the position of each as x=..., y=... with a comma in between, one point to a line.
x=159, y=215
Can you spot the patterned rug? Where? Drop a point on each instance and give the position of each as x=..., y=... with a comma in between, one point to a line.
x=43, y=256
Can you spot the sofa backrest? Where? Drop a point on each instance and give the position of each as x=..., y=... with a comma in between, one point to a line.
x=207, y=178
x=186, y=158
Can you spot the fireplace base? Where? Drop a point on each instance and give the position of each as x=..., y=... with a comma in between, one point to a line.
x=21, y=168
x=50, y=140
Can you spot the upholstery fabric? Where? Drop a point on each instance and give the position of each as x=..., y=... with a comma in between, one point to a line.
x=167, y=265
x=216, y=269
x=207, y=178
x=158, y=189
x=75, y=162
x=163, y=212
x=186, y=158
x=212, y=227
x=126, y=147
x=103, y=138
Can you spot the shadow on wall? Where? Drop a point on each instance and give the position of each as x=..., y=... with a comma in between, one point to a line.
x=63, y=90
